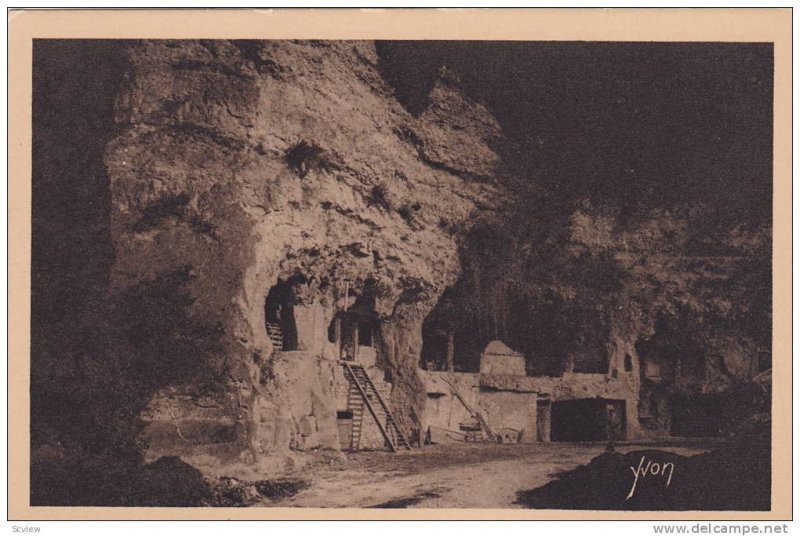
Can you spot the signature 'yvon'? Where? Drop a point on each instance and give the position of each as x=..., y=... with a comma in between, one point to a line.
x=651, y=469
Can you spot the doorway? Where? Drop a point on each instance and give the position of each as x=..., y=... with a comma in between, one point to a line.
x=279, y=317
x=588, y=419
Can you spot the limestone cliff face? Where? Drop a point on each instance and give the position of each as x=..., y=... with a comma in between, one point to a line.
x=239, y=164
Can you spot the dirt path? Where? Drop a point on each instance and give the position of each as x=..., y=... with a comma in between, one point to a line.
x=449, y=476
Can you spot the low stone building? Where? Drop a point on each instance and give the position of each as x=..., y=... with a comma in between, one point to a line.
x=569, y=407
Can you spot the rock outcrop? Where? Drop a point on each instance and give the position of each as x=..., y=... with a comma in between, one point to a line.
x=242, y=164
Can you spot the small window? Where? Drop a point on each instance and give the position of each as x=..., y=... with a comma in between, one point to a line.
x=628, y=363
x=344, y=414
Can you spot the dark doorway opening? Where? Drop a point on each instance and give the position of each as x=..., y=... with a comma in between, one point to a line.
x=357, y=325
x=348, y=336
x=452, y=339
x=587, y=419
x=279, y=317
x=365, y=328
x=434, y=349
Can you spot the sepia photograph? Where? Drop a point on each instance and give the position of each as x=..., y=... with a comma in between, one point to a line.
x=393, y=274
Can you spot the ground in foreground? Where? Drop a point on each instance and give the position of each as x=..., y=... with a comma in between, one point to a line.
x=457, y=475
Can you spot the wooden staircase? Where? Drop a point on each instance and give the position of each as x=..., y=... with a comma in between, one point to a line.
x=275, y=335
x=361, y=387
x=356, y=405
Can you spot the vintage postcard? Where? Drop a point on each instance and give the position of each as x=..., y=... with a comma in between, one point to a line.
x=400, y=264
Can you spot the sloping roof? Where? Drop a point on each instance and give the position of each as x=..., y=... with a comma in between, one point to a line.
x=499, y=348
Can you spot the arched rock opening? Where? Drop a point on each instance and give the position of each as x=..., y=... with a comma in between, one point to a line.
x=449, y=338
x=279, y=317
x=355, y=327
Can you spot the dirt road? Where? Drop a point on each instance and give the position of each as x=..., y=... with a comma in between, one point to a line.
x=449, y=476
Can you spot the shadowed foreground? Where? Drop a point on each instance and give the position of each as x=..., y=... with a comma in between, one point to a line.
x=727, y=479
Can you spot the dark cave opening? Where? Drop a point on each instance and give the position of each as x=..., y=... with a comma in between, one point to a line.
x=494, y=299
x=356, y=325
x=365, y=333
x=671, y=354
x=444, y=346
x=587, y=419
x=434, y=354
x=279, y=316
x=464, y=321
x=450, y=344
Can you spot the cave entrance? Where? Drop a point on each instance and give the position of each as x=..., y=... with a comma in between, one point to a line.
x=671, y=354
x=355, y=328
x=279, y=317
x=438, y=349
x=451, y=339
x=357, y=335
x=587, y=419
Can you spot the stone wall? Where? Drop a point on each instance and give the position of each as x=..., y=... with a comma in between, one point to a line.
x=511, y=401
x=502, y=409
x=503, y=364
